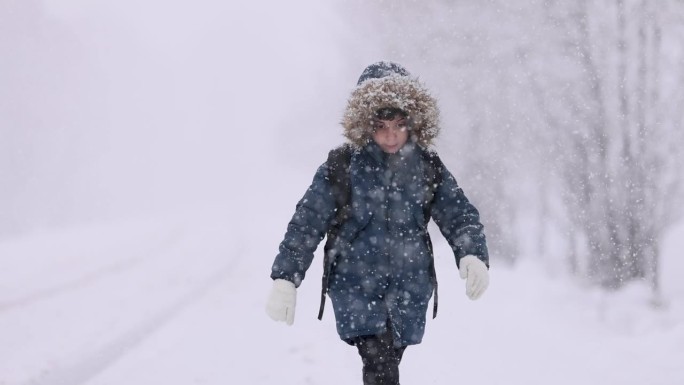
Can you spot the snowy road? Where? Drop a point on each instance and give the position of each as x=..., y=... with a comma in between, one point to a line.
x=180, y=301
x=93, y=296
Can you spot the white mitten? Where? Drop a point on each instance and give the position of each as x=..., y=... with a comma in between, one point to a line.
x=476, y=275
x=282, y=301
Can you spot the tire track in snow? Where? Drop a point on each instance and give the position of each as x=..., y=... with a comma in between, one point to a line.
x=101, y=359
x=91, y=277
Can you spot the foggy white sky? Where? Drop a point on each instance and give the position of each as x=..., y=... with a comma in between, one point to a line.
x=118, y=107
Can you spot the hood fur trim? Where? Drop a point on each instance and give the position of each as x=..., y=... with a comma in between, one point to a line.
x=403, y=92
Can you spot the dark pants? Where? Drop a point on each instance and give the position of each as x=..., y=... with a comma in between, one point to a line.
x=380, y=359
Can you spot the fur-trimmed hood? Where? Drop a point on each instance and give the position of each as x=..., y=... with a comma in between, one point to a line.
x=388, y=85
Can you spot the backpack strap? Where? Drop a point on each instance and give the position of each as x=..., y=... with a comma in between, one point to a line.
x=337, y=174
x=433, y=173
x=433, y=170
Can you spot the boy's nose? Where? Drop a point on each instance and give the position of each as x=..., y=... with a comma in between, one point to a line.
x=391, y=134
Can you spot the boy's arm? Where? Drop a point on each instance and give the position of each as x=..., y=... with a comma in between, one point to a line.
x=458, y=220
x=305, y=231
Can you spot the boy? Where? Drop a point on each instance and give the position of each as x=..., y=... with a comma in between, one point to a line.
x=373, y=200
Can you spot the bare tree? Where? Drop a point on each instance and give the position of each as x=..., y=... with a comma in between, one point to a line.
x=618, y=172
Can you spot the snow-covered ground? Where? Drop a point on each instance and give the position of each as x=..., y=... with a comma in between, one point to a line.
x=179, y=299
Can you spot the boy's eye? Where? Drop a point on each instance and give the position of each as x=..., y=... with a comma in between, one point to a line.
x=401, y=125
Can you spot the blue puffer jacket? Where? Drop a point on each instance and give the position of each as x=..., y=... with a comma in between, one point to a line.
x=382, y=268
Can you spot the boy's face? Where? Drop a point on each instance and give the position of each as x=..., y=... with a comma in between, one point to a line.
x=391, y=135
